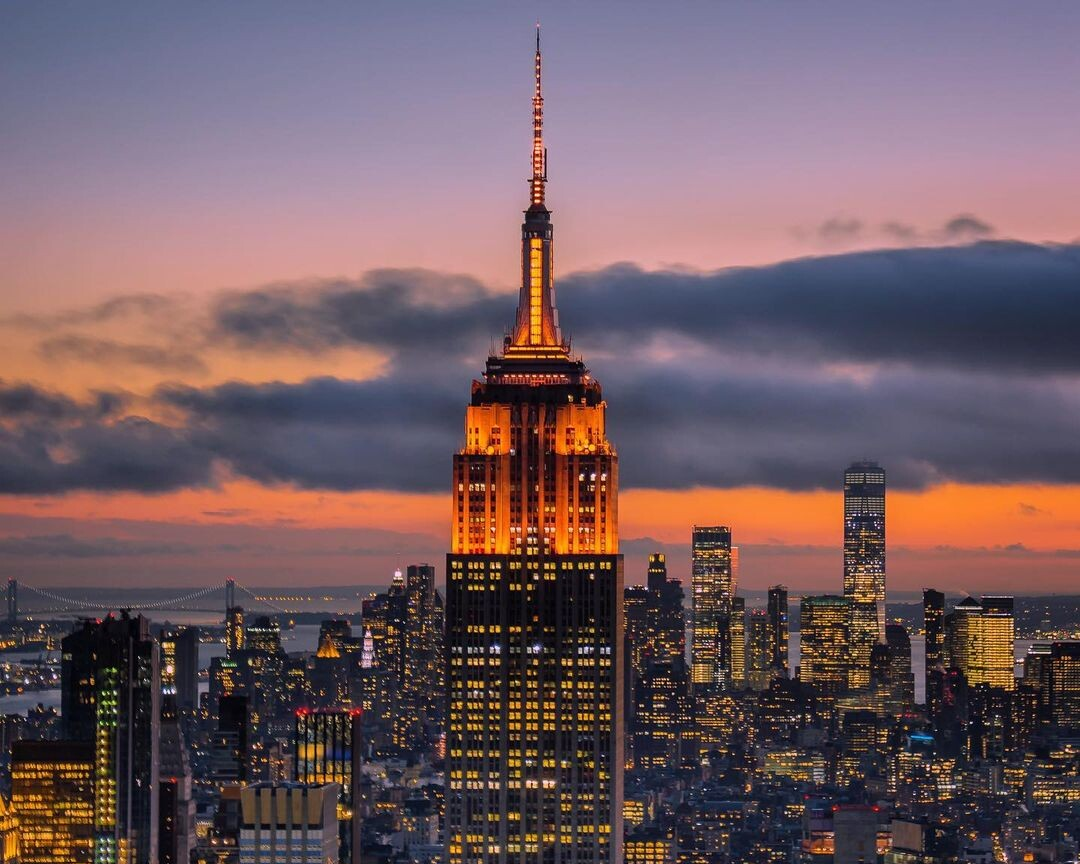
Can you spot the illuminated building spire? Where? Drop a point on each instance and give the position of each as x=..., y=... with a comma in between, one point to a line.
x=536, y=329
x=539, y=153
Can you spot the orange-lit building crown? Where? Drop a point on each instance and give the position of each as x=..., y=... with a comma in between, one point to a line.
x=537, y=474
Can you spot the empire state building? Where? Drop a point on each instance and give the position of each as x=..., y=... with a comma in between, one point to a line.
x=534, y=748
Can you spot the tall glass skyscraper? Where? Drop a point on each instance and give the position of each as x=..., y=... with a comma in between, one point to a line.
x=864, y=562
x=534, y=631
x=778, y=628
x=713, y=590
x=111, y=696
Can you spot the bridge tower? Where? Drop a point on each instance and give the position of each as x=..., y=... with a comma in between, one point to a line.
x=230, y=594
x=12, y=601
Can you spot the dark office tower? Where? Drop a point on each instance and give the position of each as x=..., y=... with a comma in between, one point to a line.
x=534, y=744
x=825, y=662
x=423, y=677
x=111, y=696
x=778, y=627
x=180, y=666
x=864, y=561
x=1063, y=685
x=933, y=604
x=176, y=808
x=637, y=643
x=230, y=744
x=901, y=676
x=712, y=590
x=328, y=749
x=670, y=620
x=664, y=713
x=52, y=795
x=234, y=630
x=759, y=655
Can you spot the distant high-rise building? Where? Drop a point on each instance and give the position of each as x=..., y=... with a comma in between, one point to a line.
x=664, y=713
x=234, y=630
x=327, y=749
x=759, y=650
x=738, y=642
x=864, y=562
x=901, y=677
x=712, y=592
x=534, y=595
x=180, y=666
x=979, y=639
x=667, y=596
x=1062, y=684
x=52, y=795
x=778, y=627
x=230, y=743
x=423, y=693
x=825, y=661
x=934, y=637
x=288, y=823
x=111, y=696
x=176, y=808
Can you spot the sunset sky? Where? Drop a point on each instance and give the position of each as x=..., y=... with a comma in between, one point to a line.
x=252, y=254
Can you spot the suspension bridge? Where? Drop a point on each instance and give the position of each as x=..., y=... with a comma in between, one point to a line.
x=33, y=600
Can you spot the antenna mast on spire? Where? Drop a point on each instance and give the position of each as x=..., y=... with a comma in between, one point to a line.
x=539, y=154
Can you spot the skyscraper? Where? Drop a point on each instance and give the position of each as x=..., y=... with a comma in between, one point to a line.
x=1063, y=685
x=53, y=796
x=176, y=808
x=422, y=678
x=327, y=748
x=934, y=633
x=979, y=640
x=778, y=627
x=825, y=661
x=667, y=595
x=759, y=650
x=111, y=696
x=864, y=562
x=712, y=588
x=737, y=639
x=180, y=666
x=534, y=746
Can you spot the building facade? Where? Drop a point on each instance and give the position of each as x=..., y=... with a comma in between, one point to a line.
x=52, y=796
x=712, y=591
x=534, y=743
x=111, y=696
x=979, y=637
x=288, y=823
x=864, y=562
x=825, y=660
x=778, y=628
x=327, y=748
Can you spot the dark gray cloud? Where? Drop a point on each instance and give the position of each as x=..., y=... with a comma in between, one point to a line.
x=993, y=305
x=966, y=227
x=51, y=443
x=956, y=363
x=840, y=230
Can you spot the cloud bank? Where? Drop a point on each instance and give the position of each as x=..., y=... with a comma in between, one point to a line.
x=959, y=363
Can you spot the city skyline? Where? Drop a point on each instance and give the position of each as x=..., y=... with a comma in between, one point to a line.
x=245, y=411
